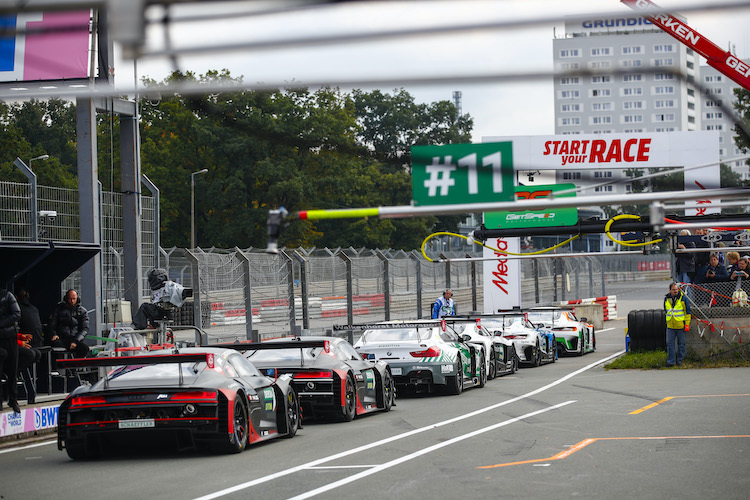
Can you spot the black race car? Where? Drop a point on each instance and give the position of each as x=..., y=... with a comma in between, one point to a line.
x=200, y=395
x=330, y=377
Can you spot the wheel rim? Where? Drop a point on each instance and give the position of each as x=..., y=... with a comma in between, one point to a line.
x=240, y=424
x=460, y=377
x=493, y=366
x=349, y=397
x=292, y=414
x=388, y=391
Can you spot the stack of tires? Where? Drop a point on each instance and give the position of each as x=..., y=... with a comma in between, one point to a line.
x=647, y=330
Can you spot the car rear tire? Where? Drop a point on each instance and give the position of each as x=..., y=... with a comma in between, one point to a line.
x=292, y=415
x=237, y=440
x=581, y=346
x=349, y=410
x=482, y=370
x=389, y=391
x=493, y=366
x=515, y=363
x=537, y=356
x=456, y=383
x=553, y=350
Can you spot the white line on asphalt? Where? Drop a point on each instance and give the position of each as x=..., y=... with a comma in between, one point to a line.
x=341, y=467
x=28, y=446
x=406, y=458
x=397, y=437
x=604, y=330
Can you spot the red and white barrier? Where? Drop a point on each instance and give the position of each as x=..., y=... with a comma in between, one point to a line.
x=609, y=305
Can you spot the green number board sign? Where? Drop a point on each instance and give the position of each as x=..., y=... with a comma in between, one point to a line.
x=535, y=218
x=462, y=173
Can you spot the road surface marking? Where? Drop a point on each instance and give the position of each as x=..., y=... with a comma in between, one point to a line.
x=653, y=405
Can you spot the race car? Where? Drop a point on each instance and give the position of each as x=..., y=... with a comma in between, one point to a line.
x=329, y=376
x=533, y=346
x=424, y=355
x=574, y=337
x=502, y=358
x=200, y=396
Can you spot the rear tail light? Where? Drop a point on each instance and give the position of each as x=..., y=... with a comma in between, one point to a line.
x=516, y=336
x=192, y=395
x=88, y=400
x=313, y=375
x=565, y=329
x=432, y=352
x=366, y=355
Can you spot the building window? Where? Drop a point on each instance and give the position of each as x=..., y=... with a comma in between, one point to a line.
x=665, y=129
x=570, y=94
x=667, y=61
x=663, y=48
x=628, y=188
x=601, y=120
x=663, y=76
x=715, y=115
x=632, y=50
x=664, y=103
x=570, y=108
x=667, y=89
x=632, y=63
x=606, y=189
x=600, y=64
x=601, y=79
x=710, y=104
x=718, y=126
x=632, y=119
x=632, y=105
x=664, y=117
x=633, y=131
x=569, y=81
x=632, y=78
x=602, y=174
x=570, y=53
x=602, y=106
x=604, y=131
x=628, y=91
x=571, y=175
x=714, y=78
x=601, y=92
x=567, y=122
x=601, y=51
x=570, y=65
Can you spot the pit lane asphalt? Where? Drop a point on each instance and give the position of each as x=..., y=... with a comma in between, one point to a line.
x=432, y=447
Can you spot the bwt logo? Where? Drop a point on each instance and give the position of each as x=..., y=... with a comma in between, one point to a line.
x=45, y=417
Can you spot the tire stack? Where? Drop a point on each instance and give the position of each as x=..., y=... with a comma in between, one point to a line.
x=647, y=330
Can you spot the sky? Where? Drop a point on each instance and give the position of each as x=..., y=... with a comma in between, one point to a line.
x=523, y=107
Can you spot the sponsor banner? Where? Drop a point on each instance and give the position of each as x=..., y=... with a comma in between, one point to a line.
x=60, y=51
x=502, y=276
x=537, y=218
x=606, y=25
x=389, y=326
x=29, y=420
x=462, y=173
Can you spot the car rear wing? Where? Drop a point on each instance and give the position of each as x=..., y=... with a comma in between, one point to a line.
x=270, y=344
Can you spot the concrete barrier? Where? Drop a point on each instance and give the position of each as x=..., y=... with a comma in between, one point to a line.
x=594, y=313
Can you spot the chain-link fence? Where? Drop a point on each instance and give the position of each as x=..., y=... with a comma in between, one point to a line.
x=722, y=299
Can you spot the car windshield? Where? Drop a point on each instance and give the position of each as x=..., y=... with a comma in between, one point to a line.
x=397, y=335
x=504, y=322
x=544, y=316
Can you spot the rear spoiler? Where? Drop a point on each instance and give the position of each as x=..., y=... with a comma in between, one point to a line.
x=256, y=346
x=207, y=357
x=380, y=326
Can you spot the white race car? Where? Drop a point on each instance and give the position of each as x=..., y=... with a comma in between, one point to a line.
x=423, y=355
x=534, y=347
x=574, y=336
x=502, y=358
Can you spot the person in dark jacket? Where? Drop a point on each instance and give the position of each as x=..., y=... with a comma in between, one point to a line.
x=10, y=313
x=70, y=325
x=30, y=337
x=685, y=263
x=712, y=272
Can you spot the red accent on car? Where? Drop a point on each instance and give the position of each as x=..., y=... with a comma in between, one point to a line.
x=313, y=375
x=432, y=352
x=210, y=360
x=88, y=400
x=193, y=395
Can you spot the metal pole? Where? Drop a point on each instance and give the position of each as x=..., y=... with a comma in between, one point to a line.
x=415, y=256
x=290, y=291
x=473, y=285
x=535, y=269
x=33, y=213
x=386, y=283
x=250, y=334
x=349, y=293
x=196, y=283
x=305, y=298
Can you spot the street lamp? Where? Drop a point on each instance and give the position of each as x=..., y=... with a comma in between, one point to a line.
x=192, y=206
x=42, y=157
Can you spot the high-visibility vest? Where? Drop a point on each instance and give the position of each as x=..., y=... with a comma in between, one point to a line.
x=676, y=315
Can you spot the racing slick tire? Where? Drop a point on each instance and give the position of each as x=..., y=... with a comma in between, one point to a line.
x=593, y=340
x=482, y=370
x=537, y=357
x=389, y=391
x=553, y=349
x=236, y=442
x=581, y=346
x=456, y=383
x=76, y=449
x=290, y=420
x=349, y=410
x=493, y=366
x=515, y=364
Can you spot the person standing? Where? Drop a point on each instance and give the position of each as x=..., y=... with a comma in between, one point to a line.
x=685, y=262
x=444, y=306
x=678, y=322
x=10, y=313
x=70, y=325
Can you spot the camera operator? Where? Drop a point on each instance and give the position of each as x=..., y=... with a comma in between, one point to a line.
x=712, y=272
x=162, y=291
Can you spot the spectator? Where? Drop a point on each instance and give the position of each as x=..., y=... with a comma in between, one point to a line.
x=712, y=272
x=739, y=271
x=732, y=258
x=30, y=321
x=10, y=313
x=701, y=258
x=678, y=322
x=27, y=356
x=444, y=306
x=685, y=262
x=70, y=325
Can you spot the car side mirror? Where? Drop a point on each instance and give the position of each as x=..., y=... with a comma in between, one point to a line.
x=584, y=319
x=465, y=337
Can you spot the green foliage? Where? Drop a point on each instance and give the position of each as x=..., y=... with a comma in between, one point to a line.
x=656, y=360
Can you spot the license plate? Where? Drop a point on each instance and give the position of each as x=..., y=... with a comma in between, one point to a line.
x=140, y=423
x=396, y=371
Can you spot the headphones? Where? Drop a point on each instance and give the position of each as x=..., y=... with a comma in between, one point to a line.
x=448, y=290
